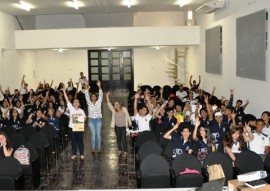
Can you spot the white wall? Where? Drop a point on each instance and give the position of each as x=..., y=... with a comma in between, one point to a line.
x=256, y=91
x=159, y=19
x=149, y=67
x=13, y=64
x=60, y=67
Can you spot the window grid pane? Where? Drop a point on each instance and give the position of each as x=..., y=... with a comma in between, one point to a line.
x=94, y=55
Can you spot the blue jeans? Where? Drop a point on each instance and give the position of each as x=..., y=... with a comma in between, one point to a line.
x=95, y=125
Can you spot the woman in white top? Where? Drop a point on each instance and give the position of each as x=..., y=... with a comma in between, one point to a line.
x=76, y=137
x=235, y=140
x=94, y=116
x=120, y=121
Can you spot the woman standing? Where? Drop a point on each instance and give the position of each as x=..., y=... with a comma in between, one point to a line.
x=5, y=147
x=76, y=137
x=120, y=121
x=95, y=116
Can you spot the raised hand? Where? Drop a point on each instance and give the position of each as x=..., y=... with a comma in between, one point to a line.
x=108, y=94
x=99, y=84
x=197, y=122
x=233, y=115
x=137, y=96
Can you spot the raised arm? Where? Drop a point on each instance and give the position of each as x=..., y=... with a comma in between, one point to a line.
x=213, y=92
x=209, y=109
x=1, y=90
x=245, y=105
x=77, y=88
x=199, y=80
x=22, y=82
x=45, y=99
x=51, y=84
x=100, y=93
x=136, y=97
x=158, y=111
x=196, y=113
x=65, y=94
x=190, y=81
x=197, y=123
x=247, y=134
x=148, y=105
x=168, y=134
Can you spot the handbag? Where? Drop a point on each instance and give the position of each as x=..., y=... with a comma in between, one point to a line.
x=215, y=172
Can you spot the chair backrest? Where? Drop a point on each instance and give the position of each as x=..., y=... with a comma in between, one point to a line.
x=267, y=161
x=149, y=147
x=154, y=164
x=143, y=137
x=10, y=166
x=28, y=131
x=9, y=130
x=183, y=161
x=169, y=150
x=33, y=151
x=49, y=131
x=220, y=158
x=17, y=140
x=248, y=161
x=38, y=140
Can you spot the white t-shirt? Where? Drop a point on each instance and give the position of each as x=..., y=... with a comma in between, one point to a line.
x=266, y=130
x=143, y=122
x=235, y=147
x=181, y=94
x=72, y=111
x=259, y=142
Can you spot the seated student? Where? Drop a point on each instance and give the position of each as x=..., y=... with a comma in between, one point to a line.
x=14, y=119
x=260, y=142
x=36, y=120
x=178, y=113
x=144, y=115
x=52, y=119
x=235, y=141
x=239, y=109
x=181, y=93
x=203, y=143
x=168, y=120
x=5, y=146
x=218, y=128
x=181, y=144
x=203, y=115
x=266, y=119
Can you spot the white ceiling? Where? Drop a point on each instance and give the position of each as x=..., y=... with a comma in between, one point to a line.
x=54, y=7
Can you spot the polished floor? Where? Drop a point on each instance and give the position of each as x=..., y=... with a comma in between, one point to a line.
x=105, y=171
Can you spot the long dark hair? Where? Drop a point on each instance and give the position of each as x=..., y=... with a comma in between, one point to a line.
x=209, y=138
x=228, y=140
x=8, y=145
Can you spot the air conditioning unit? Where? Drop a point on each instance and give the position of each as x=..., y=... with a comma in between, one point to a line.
x=210, y=7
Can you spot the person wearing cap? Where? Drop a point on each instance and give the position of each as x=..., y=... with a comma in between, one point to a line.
x=218, y=128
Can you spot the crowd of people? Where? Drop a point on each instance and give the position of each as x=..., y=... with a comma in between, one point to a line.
x=196, y=121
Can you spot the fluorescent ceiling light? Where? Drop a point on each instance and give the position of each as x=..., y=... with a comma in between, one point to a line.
x=59, y=49
x=128, y=3
x=75, y=4
x=183, y=2
x=24, y=5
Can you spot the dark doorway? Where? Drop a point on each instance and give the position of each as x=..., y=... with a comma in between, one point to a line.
x=113, y=68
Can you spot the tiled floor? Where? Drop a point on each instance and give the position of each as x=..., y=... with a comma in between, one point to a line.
x=105, y=171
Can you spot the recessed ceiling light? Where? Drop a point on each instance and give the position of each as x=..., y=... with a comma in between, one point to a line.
x=128, y=3
x=183, y=2
x=24, y=5
x=75, y=4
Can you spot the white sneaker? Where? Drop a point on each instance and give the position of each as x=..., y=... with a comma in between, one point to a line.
x=82, y=157
x=73, y=157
